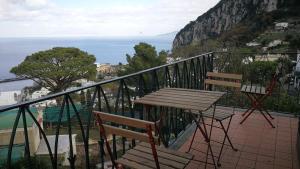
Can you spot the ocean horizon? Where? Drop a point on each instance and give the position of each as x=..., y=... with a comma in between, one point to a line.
x=111, y=50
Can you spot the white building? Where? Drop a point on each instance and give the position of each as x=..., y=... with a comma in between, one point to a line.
x=281, y=25
x=252, y=44
x=297, y=70
x=105, y=68
x=40, y=93
x=9, y=97
x=171, y=59
x=275, y=43
x=63, y=149
x=269, y=57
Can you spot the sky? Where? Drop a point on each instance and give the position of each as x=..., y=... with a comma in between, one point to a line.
x=60, y=18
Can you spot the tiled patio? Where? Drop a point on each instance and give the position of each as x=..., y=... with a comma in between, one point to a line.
x=260, y=146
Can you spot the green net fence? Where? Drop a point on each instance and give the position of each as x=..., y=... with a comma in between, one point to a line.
x=8, y=118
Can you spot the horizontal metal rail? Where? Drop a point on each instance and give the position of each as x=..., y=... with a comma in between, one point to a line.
x=48, y=97
x=186, y=73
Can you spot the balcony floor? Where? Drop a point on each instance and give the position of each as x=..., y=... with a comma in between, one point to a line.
x=259, y=145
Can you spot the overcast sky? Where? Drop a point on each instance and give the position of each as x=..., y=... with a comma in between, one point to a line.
x=19, y=18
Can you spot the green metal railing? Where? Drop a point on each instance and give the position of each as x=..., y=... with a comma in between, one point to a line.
x=73, y=112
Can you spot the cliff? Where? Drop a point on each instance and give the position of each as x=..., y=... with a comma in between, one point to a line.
x=223, y=17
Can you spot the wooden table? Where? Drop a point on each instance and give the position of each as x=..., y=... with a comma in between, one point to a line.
x=257, y=94
x=186, y=99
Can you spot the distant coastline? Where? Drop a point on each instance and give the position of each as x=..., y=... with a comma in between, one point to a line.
x=13, y=79
x=106, y=50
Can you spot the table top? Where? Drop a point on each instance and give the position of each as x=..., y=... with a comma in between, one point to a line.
x=188, y=99
x=253, y=89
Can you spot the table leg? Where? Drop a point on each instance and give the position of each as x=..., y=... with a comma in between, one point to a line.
x=199, y=127
x=193, y=138
x=146, y=113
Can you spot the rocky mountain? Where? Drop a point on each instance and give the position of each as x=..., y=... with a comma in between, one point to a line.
x=225, y=16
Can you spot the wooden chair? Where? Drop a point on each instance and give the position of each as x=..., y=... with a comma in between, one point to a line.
x=257, y=94
x=146, y=154
x=225, y=80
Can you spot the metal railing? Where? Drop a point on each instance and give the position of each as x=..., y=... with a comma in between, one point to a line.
x=284, y=99
x=113, y=96
x=298, y=140
x=73, y=115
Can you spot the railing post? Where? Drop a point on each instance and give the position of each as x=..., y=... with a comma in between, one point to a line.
x=27, y=148
x=185, y=74
x=87, y=134
x=72, y=156
x=298, y=140
x=211, y=62
x=101, y=149
x=57, y=132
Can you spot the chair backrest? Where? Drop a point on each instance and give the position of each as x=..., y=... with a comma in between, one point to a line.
x=223, y=79
x=274, y=79
x=106, y=129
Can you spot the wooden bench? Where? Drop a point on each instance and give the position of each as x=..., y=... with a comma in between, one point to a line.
x=147, y=154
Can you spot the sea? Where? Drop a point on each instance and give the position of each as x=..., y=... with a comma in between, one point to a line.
x=111, y=50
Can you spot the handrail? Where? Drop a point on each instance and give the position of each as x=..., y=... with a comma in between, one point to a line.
x=9, y=107
x=189, y=74
x=258, y=53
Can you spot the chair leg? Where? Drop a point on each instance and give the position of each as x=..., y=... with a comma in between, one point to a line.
x=224, y=139
x=226, y=133
x=269, y=114
x=246, y=111
x=266, y=118
x=252, y=110
x=120, y=166
x=209, y=148
x=259, y=104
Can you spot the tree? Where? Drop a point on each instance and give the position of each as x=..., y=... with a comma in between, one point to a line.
x=145, y=57
x=57, y=68
x=82, y=98
x=295, y=42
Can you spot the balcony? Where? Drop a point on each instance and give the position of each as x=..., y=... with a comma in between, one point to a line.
x=260, y=146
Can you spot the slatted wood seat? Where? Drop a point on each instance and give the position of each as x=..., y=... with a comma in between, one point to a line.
x=254, y=89
x=220, y=114
x=142, y=155
x=146, y=155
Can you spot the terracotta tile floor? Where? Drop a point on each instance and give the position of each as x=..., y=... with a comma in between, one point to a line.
x=259, y=145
